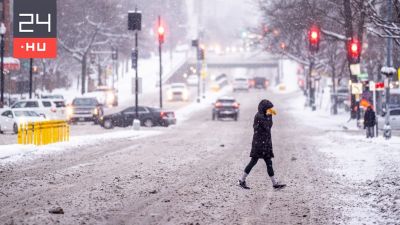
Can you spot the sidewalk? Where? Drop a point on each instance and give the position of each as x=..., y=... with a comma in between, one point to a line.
x=369, y=167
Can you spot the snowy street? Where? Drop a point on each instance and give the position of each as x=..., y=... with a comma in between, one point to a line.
x=199, y=112
x=188, y=175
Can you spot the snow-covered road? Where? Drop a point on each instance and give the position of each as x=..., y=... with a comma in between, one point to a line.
x=188, y=176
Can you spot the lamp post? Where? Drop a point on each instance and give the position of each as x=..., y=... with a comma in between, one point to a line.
x=388, y=72
x=2, y=33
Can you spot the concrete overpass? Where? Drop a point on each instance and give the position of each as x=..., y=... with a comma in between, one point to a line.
x=231, y=61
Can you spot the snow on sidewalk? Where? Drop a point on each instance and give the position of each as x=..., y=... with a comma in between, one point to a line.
x=367, y=168
x=12, y=153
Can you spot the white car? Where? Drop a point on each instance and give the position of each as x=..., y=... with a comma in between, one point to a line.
x=178, y=91
x=106, y=96
x=43, y=107
x=192, y=80
x=11, y=119
x=240, y=83
x=394, y=119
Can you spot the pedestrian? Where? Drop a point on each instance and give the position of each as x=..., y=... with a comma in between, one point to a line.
x=369, y=122
x=262, y=143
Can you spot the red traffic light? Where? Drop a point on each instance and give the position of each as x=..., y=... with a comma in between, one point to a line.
x=354, y=50
x=314, y=36
x=161, y=32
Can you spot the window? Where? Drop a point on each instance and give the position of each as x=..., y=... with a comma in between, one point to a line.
x=19, y=105
x=7, y=113
x=59, y=104
x=47, y=104
x=129, y=110
x=85, y=102
x=142, y=109
x=33, y=104
x=395, y=112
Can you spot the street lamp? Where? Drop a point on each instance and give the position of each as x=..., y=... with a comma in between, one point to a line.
x=388, y=72
x=2, y=33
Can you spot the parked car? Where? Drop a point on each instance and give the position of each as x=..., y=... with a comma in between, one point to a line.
x=394, y=119
x=49, y=96
x=178, y=91
x=84, y=109
x=240, y=83
x=11, y=119
x=225, y=107
x=148, y=117
x=105, y=95
x=44, y=107
x=259, y=83
x=192, y=80
x=61, y=108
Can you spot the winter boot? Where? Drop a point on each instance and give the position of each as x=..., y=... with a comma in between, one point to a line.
x=243, y=185
x=279, y=186
x=275, y=184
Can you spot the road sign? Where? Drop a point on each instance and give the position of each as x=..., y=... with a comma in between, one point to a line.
x=363, y=76
x=398, y=74
x=35, y=29
x=372, y=85
x=380, y=86
x=356, y=88
x=355, y=69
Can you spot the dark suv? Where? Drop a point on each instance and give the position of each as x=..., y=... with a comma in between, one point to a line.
x=260, y=83
x=84, y=109
x=226, y=107
x=148, y=117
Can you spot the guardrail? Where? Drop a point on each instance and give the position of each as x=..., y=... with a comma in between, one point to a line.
x=43, y=133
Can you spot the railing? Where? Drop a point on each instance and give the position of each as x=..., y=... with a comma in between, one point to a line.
x=43, y=133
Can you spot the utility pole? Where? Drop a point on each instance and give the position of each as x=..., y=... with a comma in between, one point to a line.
x=30, y=77
x=161, y=32
x=135, y=24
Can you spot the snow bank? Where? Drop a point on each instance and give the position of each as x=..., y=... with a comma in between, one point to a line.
x=11, y=153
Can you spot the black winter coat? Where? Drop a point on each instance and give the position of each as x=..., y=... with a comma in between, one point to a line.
x=369, y=118
x=262, y=141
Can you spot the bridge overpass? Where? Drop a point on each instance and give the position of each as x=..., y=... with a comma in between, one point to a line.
x=225, y=62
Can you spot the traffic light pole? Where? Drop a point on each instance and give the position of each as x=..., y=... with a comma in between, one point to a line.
x=198, y=74
x=30, y=77
x=136, y=78
x=2, y=72
x=161, y=69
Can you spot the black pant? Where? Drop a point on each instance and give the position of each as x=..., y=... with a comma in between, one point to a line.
x=254, y=161
x=370, y=132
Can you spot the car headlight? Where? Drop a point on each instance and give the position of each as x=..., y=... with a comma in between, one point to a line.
x=169, y=95
x=110, y=98
x=95, y=111
x=185, y=95
x=69, y=111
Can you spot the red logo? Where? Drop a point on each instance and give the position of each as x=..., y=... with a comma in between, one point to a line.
x=35, y=47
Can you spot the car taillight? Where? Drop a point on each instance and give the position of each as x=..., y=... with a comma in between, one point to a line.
x=267, y=83
x=53, y=110
x=162, y=114
x=235, y=105
x=252, y=83
x=218, y=104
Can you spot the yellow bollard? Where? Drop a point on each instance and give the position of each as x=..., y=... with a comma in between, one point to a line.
x=19, y=134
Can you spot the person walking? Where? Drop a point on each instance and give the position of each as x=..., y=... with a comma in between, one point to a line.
x=369, y=122
x=262, y=143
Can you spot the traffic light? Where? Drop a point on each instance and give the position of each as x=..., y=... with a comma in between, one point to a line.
x=114, y=54
x=201, y=53
x=353, y=51
x=161, y=33
x=134, y=58
x=35, y=69
x=314, y=37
